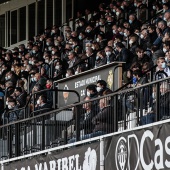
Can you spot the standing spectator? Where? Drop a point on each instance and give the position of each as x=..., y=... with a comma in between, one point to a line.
x=124, y=55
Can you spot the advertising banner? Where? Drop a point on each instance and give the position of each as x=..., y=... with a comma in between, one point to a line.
x=85, y=157
x=111, y=73
x=143, y=149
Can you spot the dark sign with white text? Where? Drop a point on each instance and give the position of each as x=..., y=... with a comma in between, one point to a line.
x=111, y=73
x=143, y=149
x=77, y=158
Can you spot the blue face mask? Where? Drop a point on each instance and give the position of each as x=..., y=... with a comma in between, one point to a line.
x=163, y=65
x=134, y=80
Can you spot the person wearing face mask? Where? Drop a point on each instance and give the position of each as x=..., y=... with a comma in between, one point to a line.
x=101, y=40
x=101, y=87
x=91, y=91
x=162, y=71
x=133, y=42
x=36, y=52
x=144, y=39
x=55, y=31
x=109, y=55
x=13, y=113
x=120, y=15
x=166, y=46
x=101, y=59
x=134, y=23
x=22, y=49
x=42, y=105
x=89, y=31
x=58, y=69
x=38, y=80
x=12, y=77
x=82, y=25
x=69, y=72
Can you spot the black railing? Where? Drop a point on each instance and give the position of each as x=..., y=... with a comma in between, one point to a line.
x=115, y=112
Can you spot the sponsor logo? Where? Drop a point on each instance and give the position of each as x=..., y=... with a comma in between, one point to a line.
x=148, y=152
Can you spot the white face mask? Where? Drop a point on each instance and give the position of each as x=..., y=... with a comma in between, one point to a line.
x=164, y=50
x=6, y=102
x=141, y=36
x=57, y=67
x=97, y=40
x=35, y=79
x=46, y=61
x=125, y=34
x=154, y=7
x=131, y=42
x=98, y=88
x=30, y=62
x=52, y=52
x=38, y=101
x=117, y=13
x=9, y=107
x=12, y=69
x=108, y=53
x=88, y=93
x=114, y=32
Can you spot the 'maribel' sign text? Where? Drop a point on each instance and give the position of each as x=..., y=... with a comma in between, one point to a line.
x=144, y=149
x=83, y=158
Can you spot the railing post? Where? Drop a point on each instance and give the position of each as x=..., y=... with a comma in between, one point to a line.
x=9, y=139
x=115, y=116
x=124, y=110
x=137, y=106
x=101, y=154
x=141, y=101
x=43, y=133
x=77, y=111
x=157, y=101
x=17, y=140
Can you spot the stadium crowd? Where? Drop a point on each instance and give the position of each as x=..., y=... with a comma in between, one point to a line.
x=135, y=32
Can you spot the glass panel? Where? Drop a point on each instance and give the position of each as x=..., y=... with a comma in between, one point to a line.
x=31, y=11
x=9, y=26
x=58, y=12
x=22, y=24
x=2, y=30
x=49, y=13
x=40, y=25
x=68, y=9
x=13, y=27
